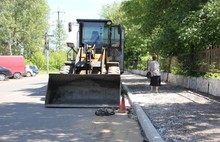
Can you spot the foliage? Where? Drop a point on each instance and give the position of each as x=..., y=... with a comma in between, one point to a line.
x=170, y=28
x=57, y=59
x=143, y=63
x=200, y=28
x=22, y=26
x=59, y=37
x=39, y=59
x=212, y=75
x=160, y=22
x=111, y=12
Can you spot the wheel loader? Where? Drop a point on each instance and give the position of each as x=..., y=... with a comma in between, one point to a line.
x=91, y=77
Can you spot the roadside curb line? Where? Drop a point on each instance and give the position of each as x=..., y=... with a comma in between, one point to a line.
x=148, y=128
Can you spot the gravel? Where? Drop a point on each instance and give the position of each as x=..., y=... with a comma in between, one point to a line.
x=178, y=114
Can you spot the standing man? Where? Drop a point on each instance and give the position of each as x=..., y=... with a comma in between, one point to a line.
x=154, y=68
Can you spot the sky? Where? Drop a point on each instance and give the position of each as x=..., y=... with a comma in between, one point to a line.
x=70, y=10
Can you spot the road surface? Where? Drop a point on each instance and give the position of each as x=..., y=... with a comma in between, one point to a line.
x=25, y=119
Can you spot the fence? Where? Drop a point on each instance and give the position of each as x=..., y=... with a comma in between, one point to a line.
x=204, y=61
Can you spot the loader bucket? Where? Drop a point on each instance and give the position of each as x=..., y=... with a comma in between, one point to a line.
x=71, y=90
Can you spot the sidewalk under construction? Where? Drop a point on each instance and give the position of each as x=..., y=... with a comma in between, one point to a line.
x=175, y=113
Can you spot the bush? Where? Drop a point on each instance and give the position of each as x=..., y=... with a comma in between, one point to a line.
x=39, y=59
x=143, y=64
x=57, y=59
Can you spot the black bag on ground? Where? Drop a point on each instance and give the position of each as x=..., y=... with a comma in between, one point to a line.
x=148, y=75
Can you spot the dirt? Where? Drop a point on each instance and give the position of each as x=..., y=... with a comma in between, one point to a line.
x=179, y=114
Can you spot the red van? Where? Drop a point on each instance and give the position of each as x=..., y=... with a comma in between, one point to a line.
x=15, y=64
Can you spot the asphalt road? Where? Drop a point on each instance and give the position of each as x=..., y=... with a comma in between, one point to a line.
x=25, y=119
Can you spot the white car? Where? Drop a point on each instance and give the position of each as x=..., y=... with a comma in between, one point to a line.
x=29, y=71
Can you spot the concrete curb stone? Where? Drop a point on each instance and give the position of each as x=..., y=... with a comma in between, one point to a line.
x=148, y=128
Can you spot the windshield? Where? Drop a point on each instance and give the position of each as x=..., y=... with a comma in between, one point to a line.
x=95, y=34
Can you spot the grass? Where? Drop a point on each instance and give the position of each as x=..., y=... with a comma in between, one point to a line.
x=50, y=71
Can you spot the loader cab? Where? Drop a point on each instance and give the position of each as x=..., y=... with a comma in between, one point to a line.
x=94, y=32
x=101, y=43
x=117, y=46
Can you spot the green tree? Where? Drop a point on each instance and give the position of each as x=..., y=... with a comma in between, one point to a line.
x=39, y=59
x=166, y=16
x=167, y=28
x=112, y=12
x=200, y=28
x=134, y=43
x=59, y=37
x=163, y=25
x=22, y=25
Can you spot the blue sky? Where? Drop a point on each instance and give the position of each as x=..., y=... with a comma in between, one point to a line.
x=70, y=10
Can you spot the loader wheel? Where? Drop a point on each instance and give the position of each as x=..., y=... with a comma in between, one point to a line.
x=113, y=70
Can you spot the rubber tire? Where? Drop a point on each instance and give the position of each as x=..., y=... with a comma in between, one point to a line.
x=17, y=75
x=113, y=70
x=28, y=74
x=2, y=77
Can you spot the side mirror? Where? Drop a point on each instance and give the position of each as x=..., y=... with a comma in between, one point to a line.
x=70, y=26
x=70, y=44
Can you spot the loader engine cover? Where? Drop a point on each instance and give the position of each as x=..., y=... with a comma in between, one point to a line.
x=72, y=90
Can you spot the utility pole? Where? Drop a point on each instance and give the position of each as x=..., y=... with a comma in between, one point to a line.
x=58, y=25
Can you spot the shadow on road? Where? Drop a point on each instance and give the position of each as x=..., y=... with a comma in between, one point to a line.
x=24, y=118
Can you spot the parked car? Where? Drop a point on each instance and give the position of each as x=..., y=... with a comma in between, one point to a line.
x=35, y=69
x=15, y=64
x=4, y=73
x=29, y=71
